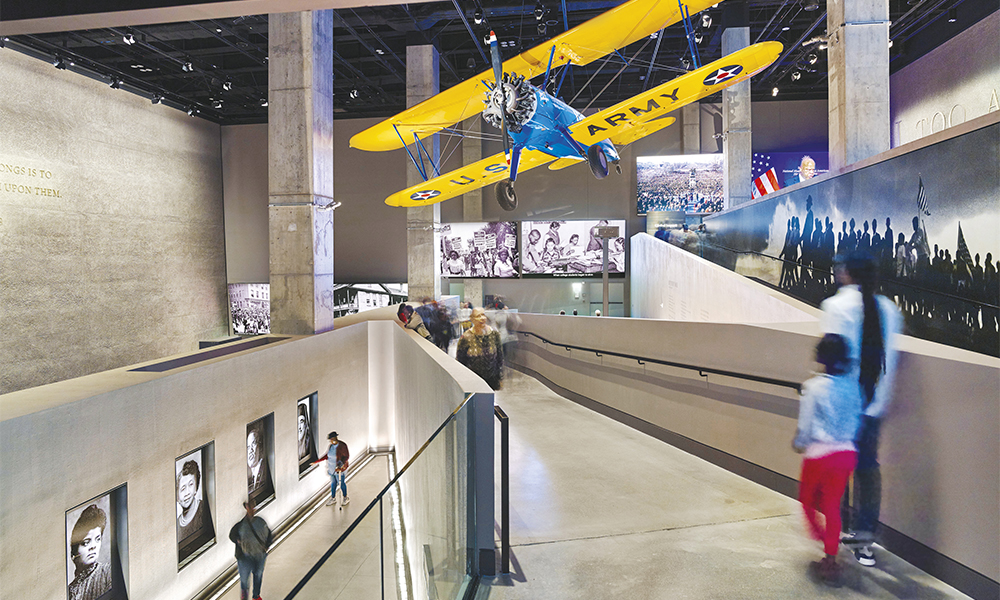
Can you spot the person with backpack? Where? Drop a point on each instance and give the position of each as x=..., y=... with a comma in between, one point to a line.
x=253, y=538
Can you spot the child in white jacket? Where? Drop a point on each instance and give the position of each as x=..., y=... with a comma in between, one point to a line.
x=829, y=416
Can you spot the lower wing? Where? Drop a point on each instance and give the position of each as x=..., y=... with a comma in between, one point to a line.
x=466, y=179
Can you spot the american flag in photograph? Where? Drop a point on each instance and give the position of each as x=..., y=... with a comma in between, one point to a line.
x=765, y=184
x=922, y=206
x=760, y=164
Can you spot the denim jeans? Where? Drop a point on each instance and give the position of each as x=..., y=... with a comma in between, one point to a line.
x=867, y=480
x=246, y=566
x=342, y=479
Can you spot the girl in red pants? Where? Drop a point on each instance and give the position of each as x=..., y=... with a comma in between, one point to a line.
x=829, y=415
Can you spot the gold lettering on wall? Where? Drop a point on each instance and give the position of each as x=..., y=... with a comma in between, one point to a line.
x=19, y=179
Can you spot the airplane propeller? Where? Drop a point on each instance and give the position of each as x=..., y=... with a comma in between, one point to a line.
x=498, y=74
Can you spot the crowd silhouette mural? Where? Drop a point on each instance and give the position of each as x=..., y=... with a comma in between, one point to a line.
x=935, y=236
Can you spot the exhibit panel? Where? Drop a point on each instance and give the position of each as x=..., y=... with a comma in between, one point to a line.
x=564, y=248
x=307, y=430
x=97, y=548
x=195, y=528
x=260, y=460
x=692, y=183
x=250, y=308
x=927, y=213
x=479, y=250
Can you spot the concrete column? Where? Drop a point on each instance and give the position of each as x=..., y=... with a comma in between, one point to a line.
x=691, y=134
x=300, y=171
x=472, y=203
x=482, y=482
x=736, y=126
x=423, y=256
x=858, y=58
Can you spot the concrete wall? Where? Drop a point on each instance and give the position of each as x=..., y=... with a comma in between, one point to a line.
x=111, y=227
x=939, y=448
x=64, y=443
x=681, y=286
x=954, y=83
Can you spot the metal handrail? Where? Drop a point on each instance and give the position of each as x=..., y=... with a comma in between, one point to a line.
x=376, y=502
x=701, y=370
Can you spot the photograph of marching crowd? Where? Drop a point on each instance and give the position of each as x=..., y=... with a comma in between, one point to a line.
x=929, y=218
x=691, y=183
x=250, y=308
x=479, y=250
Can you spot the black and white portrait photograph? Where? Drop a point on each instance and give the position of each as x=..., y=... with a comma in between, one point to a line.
x=571, y=248
x=89, y=531
x=194, y=518
x=305, y=433
x=485, y=250
x=259, y=484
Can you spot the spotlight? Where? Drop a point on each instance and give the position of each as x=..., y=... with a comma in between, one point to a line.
x=654, y=35
x=58, y=63
x=354, y=93
x=952, y=14
x=706, y=21
x=812, y=58
x=539, y=11
x=156, y=99
x=187, y=67
x=116, y=83
x=471, y=63
x=698, y=37
x=890, y=43
x=379, y=51
x=811, y=6
x=227, y=85
x=217, y=104
x=263, y=102
x=542, y=28
x=822, y=46
x=785, y=28
x=477, y=17
x=191, y=111
x=3, y=42
x=685, y=63
x=796, y=75
x=128, y=38
x=218, y=30
x=774, y=92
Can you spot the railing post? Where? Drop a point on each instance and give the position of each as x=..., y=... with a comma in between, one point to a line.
x=504, y=489
x=381, y=546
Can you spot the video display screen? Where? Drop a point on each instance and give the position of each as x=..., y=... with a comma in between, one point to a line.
x=692, y=183
x=250, y=308
x=570, y=249
x=790, y=167
x=479, y=250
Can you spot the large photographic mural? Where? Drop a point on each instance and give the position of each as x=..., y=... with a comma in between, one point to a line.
x=931, y=217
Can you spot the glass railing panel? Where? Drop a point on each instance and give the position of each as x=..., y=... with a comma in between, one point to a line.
x=414, y=540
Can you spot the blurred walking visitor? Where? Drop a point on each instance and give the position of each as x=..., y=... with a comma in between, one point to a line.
x=479, y=349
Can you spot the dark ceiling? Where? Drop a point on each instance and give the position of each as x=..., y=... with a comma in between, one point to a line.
x=217, y=69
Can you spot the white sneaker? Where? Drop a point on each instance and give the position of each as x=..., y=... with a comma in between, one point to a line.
x=331, y=501
x=345, y=501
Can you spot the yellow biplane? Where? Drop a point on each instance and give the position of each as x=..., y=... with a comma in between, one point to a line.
x=544, y=129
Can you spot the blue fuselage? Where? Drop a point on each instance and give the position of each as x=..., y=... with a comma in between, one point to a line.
x=548, y=130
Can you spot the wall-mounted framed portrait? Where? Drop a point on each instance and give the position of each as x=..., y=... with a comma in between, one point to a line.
x=194, y=476
x=96, y=548
x=307, y=428
x=260, y=460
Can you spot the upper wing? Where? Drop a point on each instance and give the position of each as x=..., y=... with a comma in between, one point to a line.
x=631, y=119
x=581, y=45
x=466, y=179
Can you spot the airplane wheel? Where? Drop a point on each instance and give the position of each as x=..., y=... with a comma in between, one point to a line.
x=598, y=161
x=506, y=197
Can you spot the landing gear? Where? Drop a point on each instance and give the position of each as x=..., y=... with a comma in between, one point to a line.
x=506, y=197
x=598, y=161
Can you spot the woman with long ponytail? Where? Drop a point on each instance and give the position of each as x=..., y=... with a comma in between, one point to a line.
x=869, y=322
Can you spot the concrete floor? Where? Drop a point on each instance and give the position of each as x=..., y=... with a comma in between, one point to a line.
x=599, y=510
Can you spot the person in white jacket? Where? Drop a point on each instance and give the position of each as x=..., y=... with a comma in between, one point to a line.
x=870, y=324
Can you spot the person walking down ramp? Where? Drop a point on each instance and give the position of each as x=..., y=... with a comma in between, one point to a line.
x=337, y=457
x=252, y=537
x=829, y=417
x=479, y=349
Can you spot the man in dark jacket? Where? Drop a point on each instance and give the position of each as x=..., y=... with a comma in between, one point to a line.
x=337, y=461
x=252, y=537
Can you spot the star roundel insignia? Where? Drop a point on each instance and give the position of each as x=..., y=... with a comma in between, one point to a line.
x=424, y=194
x=723, y=74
